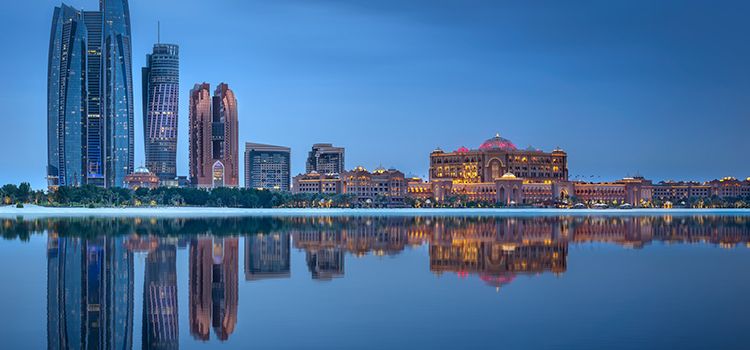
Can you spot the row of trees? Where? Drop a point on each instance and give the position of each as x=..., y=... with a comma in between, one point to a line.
x=92, y=196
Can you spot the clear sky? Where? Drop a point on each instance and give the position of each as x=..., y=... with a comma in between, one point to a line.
x=657, y=88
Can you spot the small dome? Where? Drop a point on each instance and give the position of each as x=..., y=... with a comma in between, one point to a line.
x=437, y=150
x=462, y=149
x=498, y=143
x=508, y=176
x=141, y=170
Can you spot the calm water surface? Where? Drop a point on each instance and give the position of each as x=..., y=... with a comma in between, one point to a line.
x=583, y=282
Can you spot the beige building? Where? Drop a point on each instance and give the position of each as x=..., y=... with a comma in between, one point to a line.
x=318, y=183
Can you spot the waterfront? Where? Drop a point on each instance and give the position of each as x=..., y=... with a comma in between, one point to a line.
x=619, y=280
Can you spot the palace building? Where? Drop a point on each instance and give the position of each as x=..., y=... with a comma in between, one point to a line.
x=493, y=159
x=495, y=172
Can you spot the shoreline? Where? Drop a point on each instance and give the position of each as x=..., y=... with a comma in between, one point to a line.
x=197, y=212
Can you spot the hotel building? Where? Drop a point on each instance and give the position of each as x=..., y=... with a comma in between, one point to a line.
x=318, y=183
x=325, y=159
x=381, y=187
x=213, y=137
x=267, y=167
x=496, y=172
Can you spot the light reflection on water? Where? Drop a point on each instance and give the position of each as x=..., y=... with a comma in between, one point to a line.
x=170, y=283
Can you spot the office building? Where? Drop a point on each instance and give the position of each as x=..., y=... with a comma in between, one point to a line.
x=90, y=96
x=267, y=167
x=160, y=83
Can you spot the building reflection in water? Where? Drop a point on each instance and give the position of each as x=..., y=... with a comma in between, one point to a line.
x=214, y=275
x=90, y=280
x=89, y=293
x=267, y=256
x=160, y=312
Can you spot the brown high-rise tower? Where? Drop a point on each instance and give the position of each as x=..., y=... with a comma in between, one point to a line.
x=214, y=137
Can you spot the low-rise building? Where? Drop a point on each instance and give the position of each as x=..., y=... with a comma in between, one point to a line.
x=382, y=187
x=318, y=183
x=141, y=178
x=635, y=191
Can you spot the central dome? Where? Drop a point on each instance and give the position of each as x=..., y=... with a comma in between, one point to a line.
x=498, y=143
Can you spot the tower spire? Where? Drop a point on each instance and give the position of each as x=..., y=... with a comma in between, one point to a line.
x=158, y=32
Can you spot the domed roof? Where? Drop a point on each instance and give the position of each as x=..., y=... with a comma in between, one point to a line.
x=141, y=170
x=508, y=176
x=462, y=149
x=498, y=143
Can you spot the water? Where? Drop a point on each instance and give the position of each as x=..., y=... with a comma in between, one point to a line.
x=550, y=282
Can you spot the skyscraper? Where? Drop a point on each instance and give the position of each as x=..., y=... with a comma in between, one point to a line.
x=161, y=79
x=325, y=159
x=267, y=166
x=66, y=98
x=90, y=96
x=118, y=91
x=214, y=160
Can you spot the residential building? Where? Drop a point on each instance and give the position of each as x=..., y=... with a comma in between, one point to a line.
x=267, y=167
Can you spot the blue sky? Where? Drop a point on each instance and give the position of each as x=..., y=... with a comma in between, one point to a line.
x=657, y=88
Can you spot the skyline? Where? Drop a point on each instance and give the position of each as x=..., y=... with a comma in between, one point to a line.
x=332, y=79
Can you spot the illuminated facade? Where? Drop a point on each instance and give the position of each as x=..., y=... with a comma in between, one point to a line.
x=635, y=191
x=161, y=93
x=141, y=178
x=318, y=183
x=267, y=167
x=381, y=187
x=497, y=172
x=213, y=137
x=494, y=158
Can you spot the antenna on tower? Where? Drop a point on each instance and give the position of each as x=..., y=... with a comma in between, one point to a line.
x=158, y=32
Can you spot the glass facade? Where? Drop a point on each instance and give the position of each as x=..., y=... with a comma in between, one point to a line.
x=66, y=98
x=90, y=96
x=161, y=80
x=118, y=78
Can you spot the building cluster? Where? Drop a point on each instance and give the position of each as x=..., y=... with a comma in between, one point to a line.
x=90, y=138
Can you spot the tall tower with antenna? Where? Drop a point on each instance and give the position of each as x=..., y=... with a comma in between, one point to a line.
x=161, y=96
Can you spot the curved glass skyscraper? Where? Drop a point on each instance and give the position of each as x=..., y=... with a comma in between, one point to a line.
x=118, y=86
x=90, y=96
x=161, y=86
x=66, y=98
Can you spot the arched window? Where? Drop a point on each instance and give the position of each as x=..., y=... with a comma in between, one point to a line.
x=217, y=174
